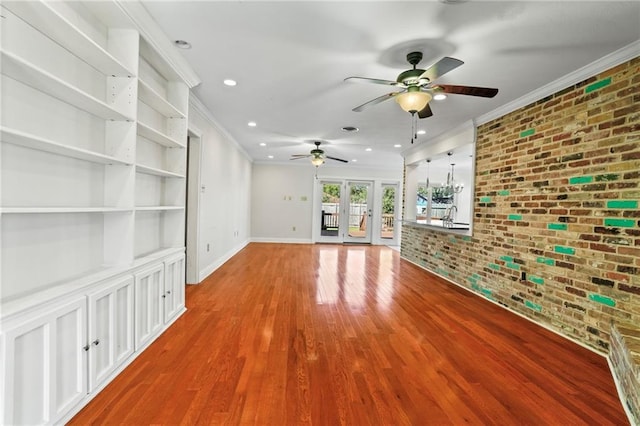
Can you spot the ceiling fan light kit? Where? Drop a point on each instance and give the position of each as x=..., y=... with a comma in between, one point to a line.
x=417, y=88
x=413, y=100
x=317, y=156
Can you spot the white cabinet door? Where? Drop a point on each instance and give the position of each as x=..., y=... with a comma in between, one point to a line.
x=110, y=328
x=174, y=282
x=149, y=304
x=44, y=364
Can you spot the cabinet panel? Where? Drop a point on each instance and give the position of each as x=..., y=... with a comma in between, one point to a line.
x=149, y=317
x=44, y=365
x=110, y=329
x=174, y=282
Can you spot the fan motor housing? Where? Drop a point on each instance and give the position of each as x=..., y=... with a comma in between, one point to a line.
x=410, y=77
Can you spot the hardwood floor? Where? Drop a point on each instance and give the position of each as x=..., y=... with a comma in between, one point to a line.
x=353, y=335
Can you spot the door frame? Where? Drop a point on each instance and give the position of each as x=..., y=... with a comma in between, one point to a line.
x=192, y=217
x=376, y=219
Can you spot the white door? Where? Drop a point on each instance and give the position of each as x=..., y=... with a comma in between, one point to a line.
x=173, y=286
x=44, y=364
x=149, y=305
x=358, y=213
x=110, y=329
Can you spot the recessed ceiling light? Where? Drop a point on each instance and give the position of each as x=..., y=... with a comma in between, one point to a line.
x=368, y=150
x=440, y=96
x=181, y=44
x=263, y=144
x=229, y=82
x=350, y=129
x=252, y=124
x=397, y=145
x=355, y=160
x=421, y=132
x=269, y=156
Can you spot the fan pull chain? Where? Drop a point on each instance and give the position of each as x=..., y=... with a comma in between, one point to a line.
x=414, y=127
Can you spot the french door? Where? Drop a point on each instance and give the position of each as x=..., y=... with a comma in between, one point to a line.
x=358, y=212
x=346, y=210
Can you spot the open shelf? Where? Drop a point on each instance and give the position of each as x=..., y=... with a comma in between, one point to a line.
x=158, y=208
x=157, y=172
x=27, y=140
x=156, y=101
x=160, y=138
x=65, y=210
x=29, y=74
x=55, y=26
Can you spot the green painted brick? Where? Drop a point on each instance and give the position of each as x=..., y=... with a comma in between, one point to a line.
x=442, y=271
x=472, y=280
x=485, y=199
x=512, y=265
x=607, y=178
x=620, y=223
x=576, y=180
x=546, y=261
x=597, y=85
x=494, y=266
x=564, y=250
x=504, y=192
x=527, y=132
x=622, y=204
x=515, y=217
x=602, y=299
x=536, y=280
x=533, y=306
x=557, y=226
x=487, y=292
x=507, y=258
x=476, y=276
x=466, y=238
x=475, y=286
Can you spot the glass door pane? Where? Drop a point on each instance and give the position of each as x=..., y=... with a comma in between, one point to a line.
x=388, y=212
x=359, y=212
x=330, y=215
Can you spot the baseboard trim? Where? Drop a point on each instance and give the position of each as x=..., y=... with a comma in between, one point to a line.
x=282, y=240
x=210, y=269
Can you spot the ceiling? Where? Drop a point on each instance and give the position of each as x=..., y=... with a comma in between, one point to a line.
x=290, y=60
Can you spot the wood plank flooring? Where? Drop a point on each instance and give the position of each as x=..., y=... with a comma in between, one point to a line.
x=352, y=335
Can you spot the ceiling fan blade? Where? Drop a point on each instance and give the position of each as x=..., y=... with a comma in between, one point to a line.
x=484, y=92
x=425, y=112
x=298, y=156
x=337, y=159
x=441, y=67
x=376, y=101
x=373, y=80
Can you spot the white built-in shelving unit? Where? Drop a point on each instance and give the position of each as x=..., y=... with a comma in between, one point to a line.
x=92, y=195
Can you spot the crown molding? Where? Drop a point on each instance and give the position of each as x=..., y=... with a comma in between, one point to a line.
x=202, y=109
x=609, y=61
x=151, y=32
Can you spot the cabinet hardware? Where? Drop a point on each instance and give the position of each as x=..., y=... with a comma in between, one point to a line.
x=96, y=342
x=86, y=348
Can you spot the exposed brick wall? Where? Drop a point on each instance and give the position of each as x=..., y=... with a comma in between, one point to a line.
x=557, y=197
x=625, y=361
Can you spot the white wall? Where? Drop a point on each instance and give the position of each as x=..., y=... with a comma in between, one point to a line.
x=274, y=215
x=225, y=202
x=282, y=202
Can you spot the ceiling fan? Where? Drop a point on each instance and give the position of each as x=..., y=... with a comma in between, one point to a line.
x=317, y=156
x=418, y=87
